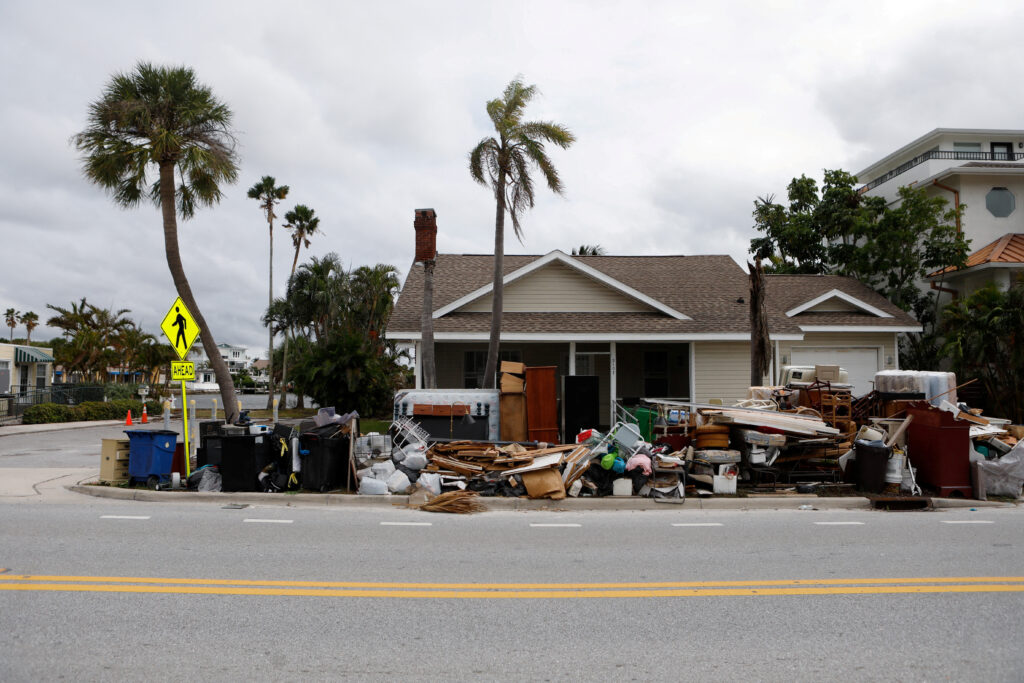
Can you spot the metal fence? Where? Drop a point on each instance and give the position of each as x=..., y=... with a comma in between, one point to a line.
x=12, y=406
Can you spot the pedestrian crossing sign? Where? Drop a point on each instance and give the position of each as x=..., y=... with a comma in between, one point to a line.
x=180, y=328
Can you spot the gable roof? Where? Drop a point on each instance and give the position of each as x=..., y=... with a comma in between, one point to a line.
x=796, y=294
x=575, y=263
x=1008, y=250
x=710, y=292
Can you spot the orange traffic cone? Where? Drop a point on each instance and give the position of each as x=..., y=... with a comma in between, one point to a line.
x=128, y=420
x=145, y=415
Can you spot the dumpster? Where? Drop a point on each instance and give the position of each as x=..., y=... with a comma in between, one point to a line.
x=150, y=455
x=241, y=459
x=324, y=462
x=872, y=462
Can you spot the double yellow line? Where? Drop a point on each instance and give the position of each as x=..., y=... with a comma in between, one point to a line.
x=491, y=591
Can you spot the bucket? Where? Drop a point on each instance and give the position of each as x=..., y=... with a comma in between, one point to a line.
x=894, y=469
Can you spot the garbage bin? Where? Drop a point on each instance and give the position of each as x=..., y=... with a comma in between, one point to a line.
x=323, y=462
x=872, y=461
x=645, y=418
x=150, y=454
x=242, y=458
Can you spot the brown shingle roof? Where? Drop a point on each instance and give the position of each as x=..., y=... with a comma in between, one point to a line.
x=710, y=289
x=786, y=292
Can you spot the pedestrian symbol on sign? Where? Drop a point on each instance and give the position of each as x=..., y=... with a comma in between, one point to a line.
x=180, y=328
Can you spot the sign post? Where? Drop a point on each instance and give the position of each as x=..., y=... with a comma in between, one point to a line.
x=181, y=330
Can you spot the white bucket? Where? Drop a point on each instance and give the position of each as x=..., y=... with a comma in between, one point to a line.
x=894, y=469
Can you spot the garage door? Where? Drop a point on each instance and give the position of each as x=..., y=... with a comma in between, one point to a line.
x=861, y=364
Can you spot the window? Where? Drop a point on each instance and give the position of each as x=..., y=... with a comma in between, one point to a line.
x=40, y=375
x=1000, y=202
x=1002, y=151
x=967, y=150
x=475, y=362
x=656, y=373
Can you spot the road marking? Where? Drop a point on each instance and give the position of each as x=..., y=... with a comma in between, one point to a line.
x=557, y=526
x=406, y=523
x=799, y=587
x=840, y=523
x=700, y=524
x=267, y=521
x=124, y=516
x=967, y=521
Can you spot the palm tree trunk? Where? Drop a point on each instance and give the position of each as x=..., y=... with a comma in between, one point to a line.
x=427, y=327
x=220, y=368
x=497, y=298
x=270, y=302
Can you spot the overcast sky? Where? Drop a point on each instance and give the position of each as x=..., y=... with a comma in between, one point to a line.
x=683, y=115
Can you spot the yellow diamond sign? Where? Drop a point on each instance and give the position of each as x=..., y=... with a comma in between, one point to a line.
x=180, y=328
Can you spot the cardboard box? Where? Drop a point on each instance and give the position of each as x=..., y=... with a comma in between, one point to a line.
x=513, y=368
x=510, y=384
x=545, y=483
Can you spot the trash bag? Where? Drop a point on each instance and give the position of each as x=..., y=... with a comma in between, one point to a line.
x=211, y=480
x=195, y=478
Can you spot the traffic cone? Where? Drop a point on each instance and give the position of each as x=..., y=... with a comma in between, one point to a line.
x=145, y=415
x=128, y=420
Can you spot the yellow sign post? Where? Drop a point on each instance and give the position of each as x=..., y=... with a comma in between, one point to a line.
x=181, y=331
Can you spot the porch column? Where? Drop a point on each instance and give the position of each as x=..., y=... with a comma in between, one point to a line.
x=419, y=365
x=572, y=359
x=611, y=379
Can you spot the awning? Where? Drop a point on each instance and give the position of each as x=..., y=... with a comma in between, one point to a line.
x=29, y=354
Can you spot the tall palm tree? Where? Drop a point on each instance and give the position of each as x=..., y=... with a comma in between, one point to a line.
x=31, y=321
x=161, y=116
x=269, y=194
x=303, y=224
x=11, y=318
x=70, y=319
x=589, y=250
x=504, y=162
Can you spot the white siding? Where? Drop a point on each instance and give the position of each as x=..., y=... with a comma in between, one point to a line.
x=884, y=341
x=558, y=288
x=722, y=371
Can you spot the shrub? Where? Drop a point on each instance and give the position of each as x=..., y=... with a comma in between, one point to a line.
x=46, y=413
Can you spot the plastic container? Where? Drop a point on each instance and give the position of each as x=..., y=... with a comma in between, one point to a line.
x=872, y=461
x=323, y=467
x=622, y=487
x=150, y=454
x=242, y=458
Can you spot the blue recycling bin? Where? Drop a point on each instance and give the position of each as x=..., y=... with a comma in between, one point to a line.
x=150, y=453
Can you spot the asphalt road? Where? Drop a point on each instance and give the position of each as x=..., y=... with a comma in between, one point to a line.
x=277, y=593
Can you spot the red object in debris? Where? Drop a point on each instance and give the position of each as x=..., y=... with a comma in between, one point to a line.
x=770, y=430
x=939, y=447
x=584, y=435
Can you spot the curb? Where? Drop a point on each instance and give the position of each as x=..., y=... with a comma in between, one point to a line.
x=14, y=429
x=950, y=503
x=631, y=503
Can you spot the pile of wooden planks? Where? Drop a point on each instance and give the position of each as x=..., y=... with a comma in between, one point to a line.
x=470, y=458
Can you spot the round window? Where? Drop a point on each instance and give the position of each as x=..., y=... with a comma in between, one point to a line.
x=1000, y=202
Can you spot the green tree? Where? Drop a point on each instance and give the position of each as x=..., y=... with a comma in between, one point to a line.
x=163, y=117
x=588, y=250
x=31, y=321
x=985, y=340
x=504, y=162
x=11, y=317
x=269, y=194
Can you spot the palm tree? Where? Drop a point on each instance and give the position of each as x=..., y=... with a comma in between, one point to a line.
x=303, y=224
x=70, y=319
x=31, y=321
x=161, y=116
x=269, y=194
x=11, y=318
x=504, y=163
x=588, y=250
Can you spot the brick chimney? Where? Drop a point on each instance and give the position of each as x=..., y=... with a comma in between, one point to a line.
x=426, y=234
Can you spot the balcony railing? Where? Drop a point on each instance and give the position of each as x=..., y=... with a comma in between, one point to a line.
x=935, y=154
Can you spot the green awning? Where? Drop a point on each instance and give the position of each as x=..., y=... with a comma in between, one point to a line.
x=30, y=354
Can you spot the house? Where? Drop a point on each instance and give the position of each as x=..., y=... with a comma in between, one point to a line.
x=233, y=355
x=982, y=169
x=646, y=326
x=24, y=368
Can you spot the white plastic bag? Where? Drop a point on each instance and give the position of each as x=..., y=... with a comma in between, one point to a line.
x=398, y=482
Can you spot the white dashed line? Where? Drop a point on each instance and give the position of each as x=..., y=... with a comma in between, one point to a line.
x=840, y=523
x=406, y=523
x=268, y=521
x=124, y=516
x=967, y=521
x=700, y=524
x=557, y=525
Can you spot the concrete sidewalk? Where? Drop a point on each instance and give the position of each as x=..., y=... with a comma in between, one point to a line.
x=10, y=430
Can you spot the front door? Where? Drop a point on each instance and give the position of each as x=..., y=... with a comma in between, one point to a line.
x=25, y=370
x=1002, y=151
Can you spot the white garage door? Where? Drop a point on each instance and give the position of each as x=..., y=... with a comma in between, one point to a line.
x=861, y=364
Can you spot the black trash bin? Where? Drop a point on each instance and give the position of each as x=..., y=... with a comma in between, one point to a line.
x=242, y=458
x=872, y=461
x=324, y=461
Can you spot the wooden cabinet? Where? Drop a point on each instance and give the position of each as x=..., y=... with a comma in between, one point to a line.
x=542, y=404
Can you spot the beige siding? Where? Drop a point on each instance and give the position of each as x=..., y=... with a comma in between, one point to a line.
x=721, y=370
x=556, y=287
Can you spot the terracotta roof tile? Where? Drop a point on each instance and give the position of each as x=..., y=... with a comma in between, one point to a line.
x=1007, y=249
